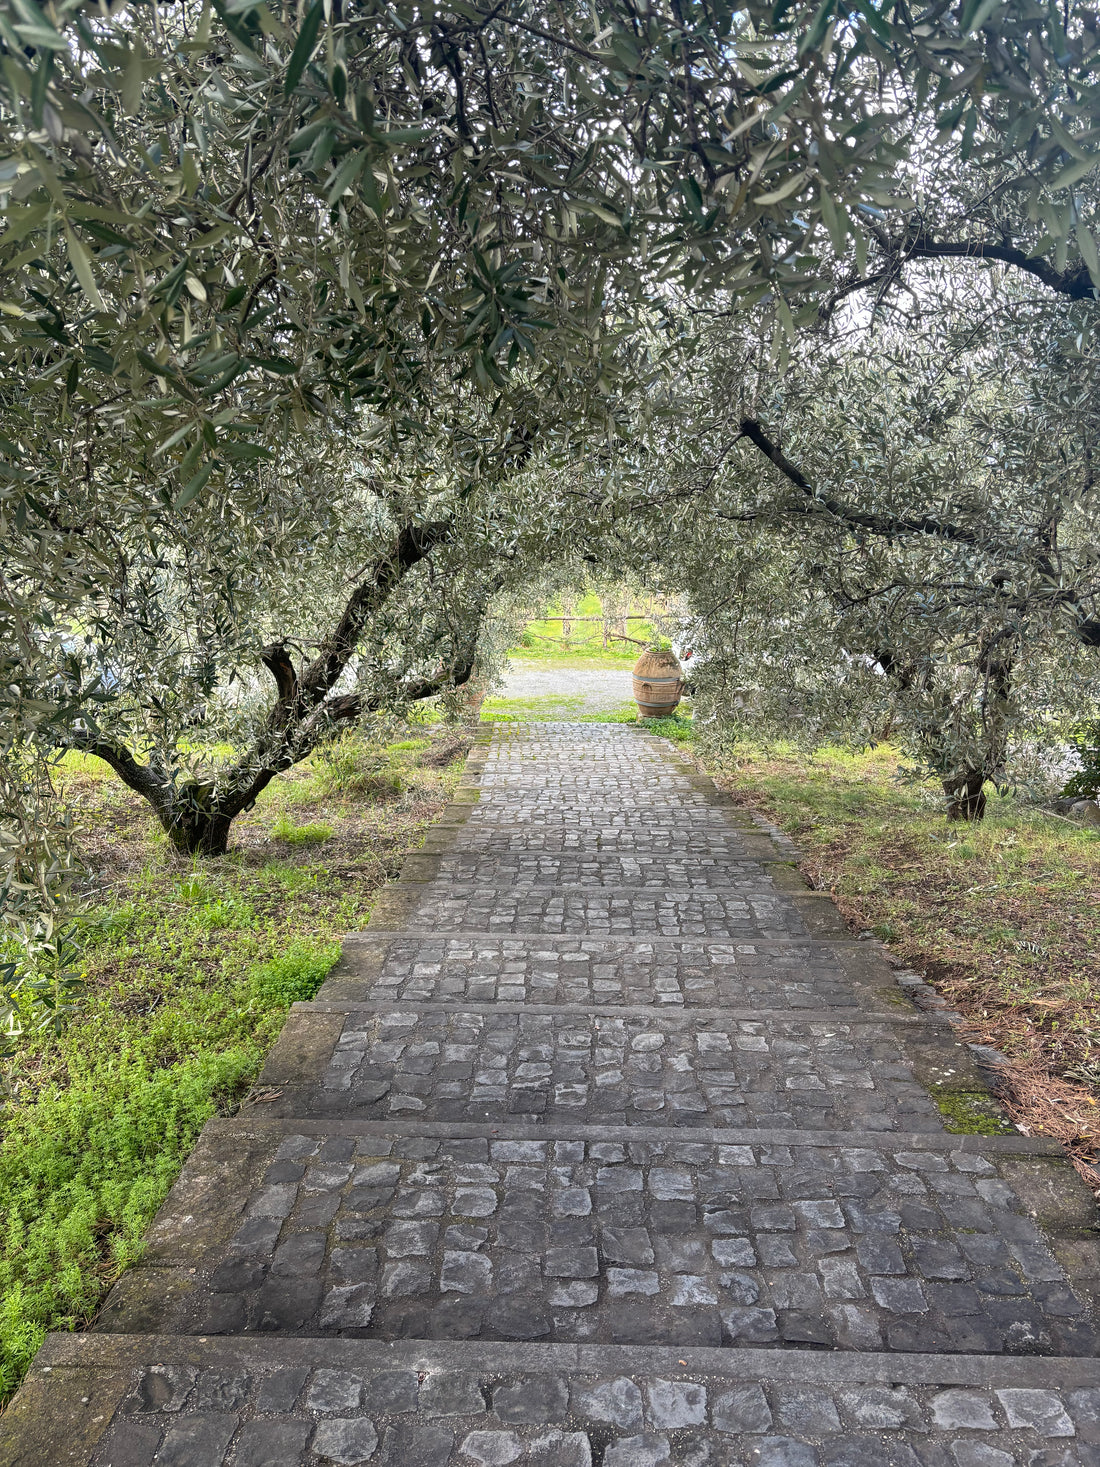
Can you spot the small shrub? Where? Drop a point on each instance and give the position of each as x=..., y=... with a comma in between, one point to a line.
x=284, y=829
x=1085, y=784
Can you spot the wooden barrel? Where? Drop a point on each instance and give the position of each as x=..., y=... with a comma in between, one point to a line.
x=658, y=684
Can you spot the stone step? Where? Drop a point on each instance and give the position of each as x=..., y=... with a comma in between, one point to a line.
x=587, y=823
x=125, y=1401
x=458, y=830
x=621, y=1235
x=752, y=911
x=514, y=1061
x=661, y=972
x=659, y=781
x=673, y=840
x=622, y=869
x=631, y=800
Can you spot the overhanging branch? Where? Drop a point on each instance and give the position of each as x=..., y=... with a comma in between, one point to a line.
x=1086, y=629
x=141, y=778
x=877, y=524
x=1075, y=283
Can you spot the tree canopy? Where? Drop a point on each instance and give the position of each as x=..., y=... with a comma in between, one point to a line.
x=322, y=324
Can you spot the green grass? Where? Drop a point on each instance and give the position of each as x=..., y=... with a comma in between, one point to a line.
x=678, y=727
x=189, y=971
x=1001, y=916
x=294, y=976
x=543, y=642
x=90, y=1153
x=546, y=707
x=543, y=638
x=313, y=834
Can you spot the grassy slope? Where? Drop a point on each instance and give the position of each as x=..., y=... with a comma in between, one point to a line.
x=1002, y=918
x=190, y=970
x=544, y=640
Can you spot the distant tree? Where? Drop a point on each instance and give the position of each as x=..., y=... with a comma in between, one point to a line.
x=931, y=484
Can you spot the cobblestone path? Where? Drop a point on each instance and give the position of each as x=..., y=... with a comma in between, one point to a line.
x=607, y=1145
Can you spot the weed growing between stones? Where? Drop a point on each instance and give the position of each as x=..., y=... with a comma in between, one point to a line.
x=970, y=1113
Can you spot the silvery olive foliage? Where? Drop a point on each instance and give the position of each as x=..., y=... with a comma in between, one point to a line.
x=292, y=297
x=902, y=528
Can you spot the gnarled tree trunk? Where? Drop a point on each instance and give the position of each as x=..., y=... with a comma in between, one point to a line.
x=966, y=795
x=198, y=832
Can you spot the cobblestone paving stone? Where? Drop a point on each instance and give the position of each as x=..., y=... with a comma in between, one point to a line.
x=601, y=1119
x=691, y=1070
x=755, y=911
x=618, y=800
x=181, y=1416
x=517, y=778
x=591, y=819
x=585, y=970
x=602, y=868
x=675, y=1242
x=615, y=832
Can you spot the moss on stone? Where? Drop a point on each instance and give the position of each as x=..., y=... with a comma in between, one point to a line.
x=971, y=1113
x=895, y=997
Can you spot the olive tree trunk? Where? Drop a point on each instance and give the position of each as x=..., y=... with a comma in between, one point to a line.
x=197, y=816
x=966, y=795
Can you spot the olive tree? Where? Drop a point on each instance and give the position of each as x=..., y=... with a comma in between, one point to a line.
x=913, y=505
x=350, y=586
x=227, y=226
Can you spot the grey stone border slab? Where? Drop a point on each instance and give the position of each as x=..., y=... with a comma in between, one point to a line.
x=255, y=1123
x=851, y=1019
x=829, y=1367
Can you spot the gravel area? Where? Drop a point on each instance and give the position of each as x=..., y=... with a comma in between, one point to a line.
x=599, y=688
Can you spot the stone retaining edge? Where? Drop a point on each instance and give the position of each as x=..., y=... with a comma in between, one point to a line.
x=252, y=1121
x=819, y=1367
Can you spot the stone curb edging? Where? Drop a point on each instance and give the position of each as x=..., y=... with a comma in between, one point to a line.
x=798, y=1366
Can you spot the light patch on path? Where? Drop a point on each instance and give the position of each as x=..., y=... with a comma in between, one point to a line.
x=589, y=689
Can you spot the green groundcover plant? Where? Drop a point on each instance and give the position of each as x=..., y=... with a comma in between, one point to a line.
x=85, y=1165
